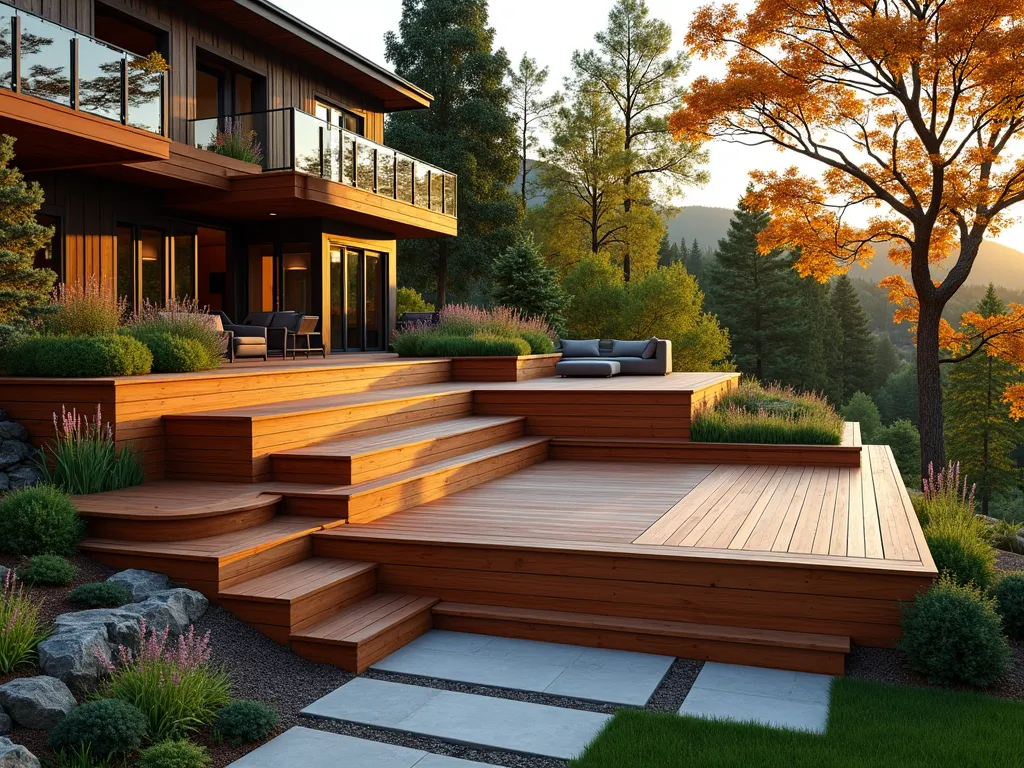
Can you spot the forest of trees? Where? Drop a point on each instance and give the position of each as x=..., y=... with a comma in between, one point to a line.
x=563, y=198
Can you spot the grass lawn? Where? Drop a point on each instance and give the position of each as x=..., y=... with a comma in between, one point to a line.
x=870, y=726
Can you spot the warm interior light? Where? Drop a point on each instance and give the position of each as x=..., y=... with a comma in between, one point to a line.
x=294, y=262
x=273, y=214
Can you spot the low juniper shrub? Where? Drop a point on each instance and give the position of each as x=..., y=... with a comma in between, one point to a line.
x=174, y=754
x=106, y=727
x=39, y=521
x=1009, y=596
x=103, y=594
x=245, y=722
x=48, y=571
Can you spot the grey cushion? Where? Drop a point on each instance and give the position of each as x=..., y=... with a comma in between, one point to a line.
x=637, y=365
x=259, y=318
x=628, y=348
x=289, y=320
x=587, y=368
x=579, y=348
x=651, y=349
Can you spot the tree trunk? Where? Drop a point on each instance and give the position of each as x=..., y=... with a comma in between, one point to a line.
x=626, y=265
x=442, y=272
x=929, y=388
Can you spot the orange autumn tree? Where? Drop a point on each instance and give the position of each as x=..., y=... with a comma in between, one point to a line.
x=915, y=110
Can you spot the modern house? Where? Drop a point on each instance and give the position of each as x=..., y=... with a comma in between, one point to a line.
x=144, y=197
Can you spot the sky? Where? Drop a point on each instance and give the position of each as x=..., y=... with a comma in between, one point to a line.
x=549, y=31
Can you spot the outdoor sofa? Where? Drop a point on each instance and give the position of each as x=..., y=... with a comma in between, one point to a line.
x=612, y=357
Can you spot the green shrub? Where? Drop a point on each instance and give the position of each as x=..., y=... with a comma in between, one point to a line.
x=960, y=550
x=862, y=409
x=952, y=634
x=175, y=754
x=88, y=310
x=181, y=336
x=83, y=458
x=245, y=722
x=756, y=414
x=104, y=594
x=39, y=521
x=79, y=356
x=500, y=331
x=540, y=343
x=23, y=630
x=410, y=300
x=905, y=441
x=48, y=570
x=1009, y=596
x=106, y=727
x=175, y=354
x=437, y=344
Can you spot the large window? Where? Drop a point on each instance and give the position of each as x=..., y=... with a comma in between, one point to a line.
x=184, y=271
x=126, y=264
x=154, y=266
x=49, y=256
x=343, y=118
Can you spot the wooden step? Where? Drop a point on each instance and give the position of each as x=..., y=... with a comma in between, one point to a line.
x=798, y=651
x=235, y=444
x=362, y=634
x=360, y=459
x=365, y=502
x=215, y=562
x=298, y=595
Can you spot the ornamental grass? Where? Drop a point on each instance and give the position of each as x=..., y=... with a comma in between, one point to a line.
x=174, y=684
x=21, y=630
x=465, y=331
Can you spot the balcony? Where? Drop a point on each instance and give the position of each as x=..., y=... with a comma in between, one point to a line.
x=312, y=168
x=72, y=100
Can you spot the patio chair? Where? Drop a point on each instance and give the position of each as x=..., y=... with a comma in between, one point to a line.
x=307, y=330
x=242, y=340
x=281, y=331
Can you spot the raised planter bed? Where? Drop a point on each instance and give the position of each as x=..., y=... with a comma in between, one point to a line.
x=521, y=368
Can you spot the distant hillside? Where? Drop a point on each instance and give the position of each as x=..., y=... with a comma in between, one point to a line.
x=706, y=225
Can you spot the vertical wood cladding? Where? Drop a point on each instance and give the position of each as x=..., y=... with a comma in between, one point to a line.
x=290, y=82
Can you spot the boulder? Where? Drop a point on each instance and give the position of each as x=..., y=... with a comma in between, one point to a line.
x=192, y=603
x=70, y=656
x=159, y=614
x=11, y=452
x=12, y=430
x=5, y=482
x=16, y=756
x=5, y=723
x=119, y=626
x=23, y=476
x=141, y=584
x=38, y=703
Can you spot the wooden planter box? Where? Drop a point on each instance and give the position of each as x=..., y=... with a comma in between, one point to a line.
x=522, y=368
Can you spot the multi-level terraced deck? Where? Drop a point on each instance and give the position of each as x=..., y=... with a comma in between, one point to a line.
x=348, y=509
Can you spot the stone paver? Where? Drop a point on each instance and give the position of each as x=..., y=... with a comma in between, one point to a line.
x=595, y=674
x=465, y=718
x=782, y=699
x=310, y=748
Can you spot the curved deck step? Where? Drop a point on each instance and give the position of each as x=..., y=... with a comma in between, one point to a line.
x=365, y=502
x=301, y=594
x=362, y=634
x=799, y=651
x=359, y=459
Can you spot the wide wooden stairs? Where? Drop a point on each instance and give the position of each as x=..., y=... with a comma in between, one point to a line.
x=317, y=464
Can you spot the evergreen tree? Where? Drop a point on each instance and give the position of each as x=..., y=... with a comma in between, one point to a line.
x=531, y=108
x=695, y=260
x=905, y=441
x=447, y=48
x=857, y=345
x=754, y=295
x=887, y=362
x=979, y=431
x=523, y=281
x=898, y=398
x=863, y=410
x=22, y=286
x=669, y=254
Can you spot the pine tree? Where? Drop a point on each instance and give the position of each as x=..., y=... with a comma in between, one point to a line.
x=979, y=431
x=531, y=108
x=754, y=295
x=22, y=286
x=447, y=48
x=858, y=348
x=887, y=362
x=523, y=281
x=695, y=260
x=863, y=410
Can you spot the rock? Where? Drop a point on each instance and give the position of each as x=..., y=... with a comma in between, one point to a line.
x=70, y=656
x=160, y=614
x=141, y=584
x=16, y=756
x=38, y=703
x=5, y=723
x=5, y=482
x=192, y=603
x=12, y=430
x=119, y=626
x=24, y=476
x=11, y=452
x=4, y=415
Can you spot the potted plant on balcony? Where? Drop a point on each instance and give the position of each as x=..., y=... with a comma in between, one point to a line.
x=237, y=142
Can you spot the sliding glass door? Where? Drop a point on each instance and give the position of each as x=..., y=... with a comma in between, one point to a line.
x=358, y=299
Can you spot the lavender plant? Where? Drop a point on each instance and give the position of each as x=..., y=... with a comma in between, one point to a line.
x=234, y=141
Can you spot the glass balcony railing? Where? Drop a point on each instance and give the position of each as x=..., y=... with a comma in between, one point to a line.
x=43, y=59
x=289, y=139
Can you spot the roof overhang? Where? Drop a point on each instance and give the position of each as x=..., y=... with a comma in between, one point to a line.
x=265, y=21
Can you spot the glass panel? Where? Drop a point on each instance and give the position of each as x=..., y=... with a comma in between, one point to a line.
x=348, y=159
x=204, y=133
x=337, y=299
x=385, y=173
x=208, y=89
x=126, y=266
x=46, y=60
x=403, y=179
x=261, y=278
x=145, y=95
x=298, y=285
x=422, y=188
x=353, y=332
x=307, y=143
x=48, y=257
x=450, y=190
x=374, y=301
x=364, y=165
x=244, y=88
x=332, y=152
x=436, y=190
x=351, y=122
x=100, y=82
x=154, y=274
x=6, y=47
x=184, y=267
